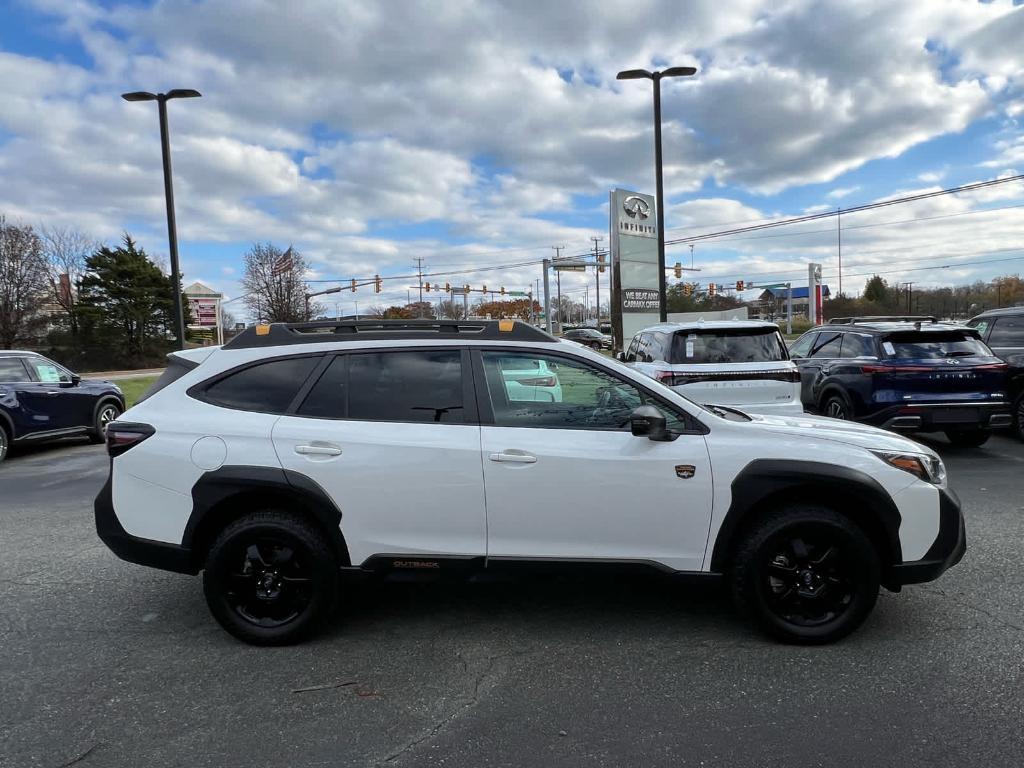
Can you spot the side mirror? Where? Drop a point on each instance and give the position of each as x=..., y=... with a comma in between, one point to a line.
x=75, y=381
x=647, y=421
x=621, y=357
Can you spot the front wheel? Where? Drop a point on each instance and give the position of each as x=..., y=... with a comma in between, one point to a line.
x=968, y=438
x=806, y=574
x=1018, y=418
x=4, y=443
x=105, y=414
x=271, y=578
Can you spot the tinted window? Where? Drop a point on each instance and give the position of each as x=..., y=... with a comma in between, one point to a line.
x=858, y=345
x=802, y=346
x=564, y=394
x=268, y=387
x=12, y=370
x=328, y=397
x=933, y=345
x=406, y=386
x=749, y=345
x=827, y=345
x=633, y=346
x=1007, y=332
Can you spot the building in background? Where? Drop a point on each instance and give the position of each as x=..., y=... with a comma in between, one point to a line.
x=204, y=303
x=771, y=304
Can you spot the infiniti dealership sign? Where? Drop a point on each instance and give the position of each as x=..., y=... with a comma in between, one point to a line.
x=634, y=258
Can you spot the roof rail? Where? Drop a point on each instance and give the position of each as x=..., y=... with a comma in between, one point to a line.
x=883, y=319
x=319, y=331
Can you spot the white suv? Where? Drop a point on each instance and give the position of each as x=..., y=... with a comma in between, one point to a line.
x=743, y=363
x=297, y=455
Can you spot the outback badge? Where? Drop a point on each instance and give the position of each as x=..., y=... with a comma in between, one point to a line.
x=685, y=471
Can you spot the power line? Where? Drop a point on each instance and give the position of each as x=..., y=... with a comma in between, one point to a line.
x=854, y=209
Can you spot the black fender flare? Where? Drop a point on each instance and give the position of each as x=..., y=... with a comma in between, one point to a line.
x=765, y=483
x=224, y=494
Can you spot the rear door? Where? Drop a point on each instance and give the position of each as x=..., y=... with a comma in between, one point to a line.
x=393, y=438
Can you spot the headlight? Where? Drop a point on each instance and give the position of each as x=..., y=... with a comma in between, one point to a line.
x=927, y=468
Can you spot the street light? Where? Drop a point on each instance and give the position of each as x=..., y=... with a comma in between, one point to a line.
x=172, y=231
x=641, y=74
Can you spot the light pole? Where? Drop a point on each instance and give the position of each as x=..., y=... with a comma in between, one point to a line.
x=655, y=77
x=172, y=231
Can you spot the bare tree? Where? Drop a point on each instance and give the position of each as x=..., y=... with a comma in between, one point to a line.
x=275, y=292
x=66, y=251
x=23, y=282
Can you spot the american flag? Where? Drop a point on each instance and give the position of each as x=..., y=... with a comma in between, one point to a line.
x=283, y=265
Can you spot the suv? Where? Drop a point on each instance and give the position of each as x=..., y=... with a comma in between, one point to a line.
x=1003, y=331
x=743, y=363
x=904, y=373
x=588, y=337
x=299, y=457
x=41, y=400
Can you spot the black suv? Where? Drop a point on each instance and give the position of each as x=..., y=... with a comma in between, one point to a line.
x=911, y=374
x=1003, y=331
x=41, y=400
x=588, y=337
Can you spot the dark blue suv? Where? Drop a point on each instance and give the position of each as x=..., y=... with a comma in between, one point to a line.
x=41, y=400
x=911, y=374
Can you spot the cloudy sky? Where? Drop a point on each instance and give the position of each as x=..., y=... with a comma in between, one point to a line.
x=479, y=134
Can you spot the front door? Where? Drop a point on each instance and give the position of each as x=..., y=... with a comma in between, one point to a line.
x=565, y=478
x=391, y=436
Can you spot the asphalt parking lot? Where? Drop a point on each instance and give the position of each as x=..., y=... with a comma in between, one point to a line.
x=103, y=663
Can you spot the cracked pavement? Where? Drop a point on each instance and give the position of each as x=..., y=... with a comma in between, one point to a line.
x=112, y=664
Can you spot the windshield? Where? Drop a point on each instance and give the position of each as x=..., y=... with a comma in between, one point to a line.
x=924, y=346
x=746, y=345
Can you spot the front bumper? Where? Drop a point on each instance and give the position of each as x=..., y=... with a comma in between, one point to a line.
x=155, y=554
x=936, y=417
x=947, y=550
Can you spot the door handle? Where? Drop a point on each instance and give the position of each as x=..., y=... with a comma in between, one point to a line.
x=52, y=392
x=318, y=450
x=514, y=457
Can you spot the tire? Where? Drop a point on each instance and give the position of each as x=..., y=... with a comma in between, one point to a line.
x=968, y=438
x=5, y=442
x=1018, y=418
x=836, y=406
x=271, y=578
x=106, y=413
x=806, y=574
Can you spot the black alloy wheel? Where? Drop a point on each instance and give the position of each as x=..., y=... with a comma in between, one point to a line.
x=807, y=575
x=270, y=578
x=4, y=443
x=836, y=408
x=1018, y=418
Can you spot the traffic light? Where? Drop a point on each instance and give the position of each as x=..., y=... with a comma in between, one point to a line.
x=426, y=287
x=353, y=285
x=447, y=287
x=378, y=284
x=679, y=270
x=712, y=289
x=466, y=288
x=600, y=262
x=484, y=289
x=687, y=289
x=503, y=290
x=739, y=285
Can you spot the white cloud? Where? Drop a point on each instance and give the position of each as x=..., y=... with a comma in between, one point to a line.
x=840, y=192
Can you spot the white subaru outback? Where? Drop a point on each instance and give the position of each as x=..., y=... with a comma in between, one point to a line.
x=297, y=455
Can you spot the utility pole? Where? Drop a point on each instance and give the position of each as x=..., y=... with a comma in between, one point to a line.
x=839, y=239
x=789, y=308
x=558, y=278
x=547, y=297
x=419, y=275
x=597, y=274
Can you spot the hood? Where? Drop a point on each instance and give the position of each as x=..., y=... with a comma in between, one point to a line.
x=839, y=431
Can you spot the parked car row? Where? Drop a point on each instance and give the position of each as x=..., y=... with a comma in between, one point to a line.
x=905, y=374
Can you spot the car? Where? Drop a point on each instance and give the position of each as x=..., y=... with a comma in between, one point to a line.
x=904, y=373
x=300, y=460
x=740, y=363
x=1003, y=331
x=42, y=400
x=589, y=337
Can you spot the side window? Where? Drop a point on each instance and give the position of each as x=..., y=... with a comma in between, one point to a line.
x=12, y=370
x=416, y=386
x=660, y=345
x=538, y=391
x=981, y=325
x=47, y=372
x=827, y=345
x=267, y=387
x=858, y=345
x=643, y=350
x=328, y=398
x=1007, y=332
x=802, y=345
x=631, y=354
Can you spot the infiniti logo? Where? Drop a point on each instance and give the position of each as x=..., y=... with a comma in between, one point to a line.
x=636, y=207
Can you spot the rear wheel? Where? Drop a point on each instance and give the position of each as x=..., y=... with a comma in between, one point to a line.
x=5, y=442
x=968, y=438
x=105, y=414
x=271, y=578
x=806, y=574
x=836, y=407
x=1018, y=418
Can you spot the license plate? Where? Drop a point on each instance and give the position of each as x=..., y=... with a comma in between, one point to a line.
x=955, y=416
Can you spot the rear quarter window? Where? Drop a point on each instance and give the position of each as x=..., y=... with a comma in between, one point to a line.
x=267, y=387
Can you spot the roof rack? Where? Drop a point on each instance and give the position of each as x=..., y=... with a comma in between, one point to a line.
x=883, y=319
x=319, y=331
